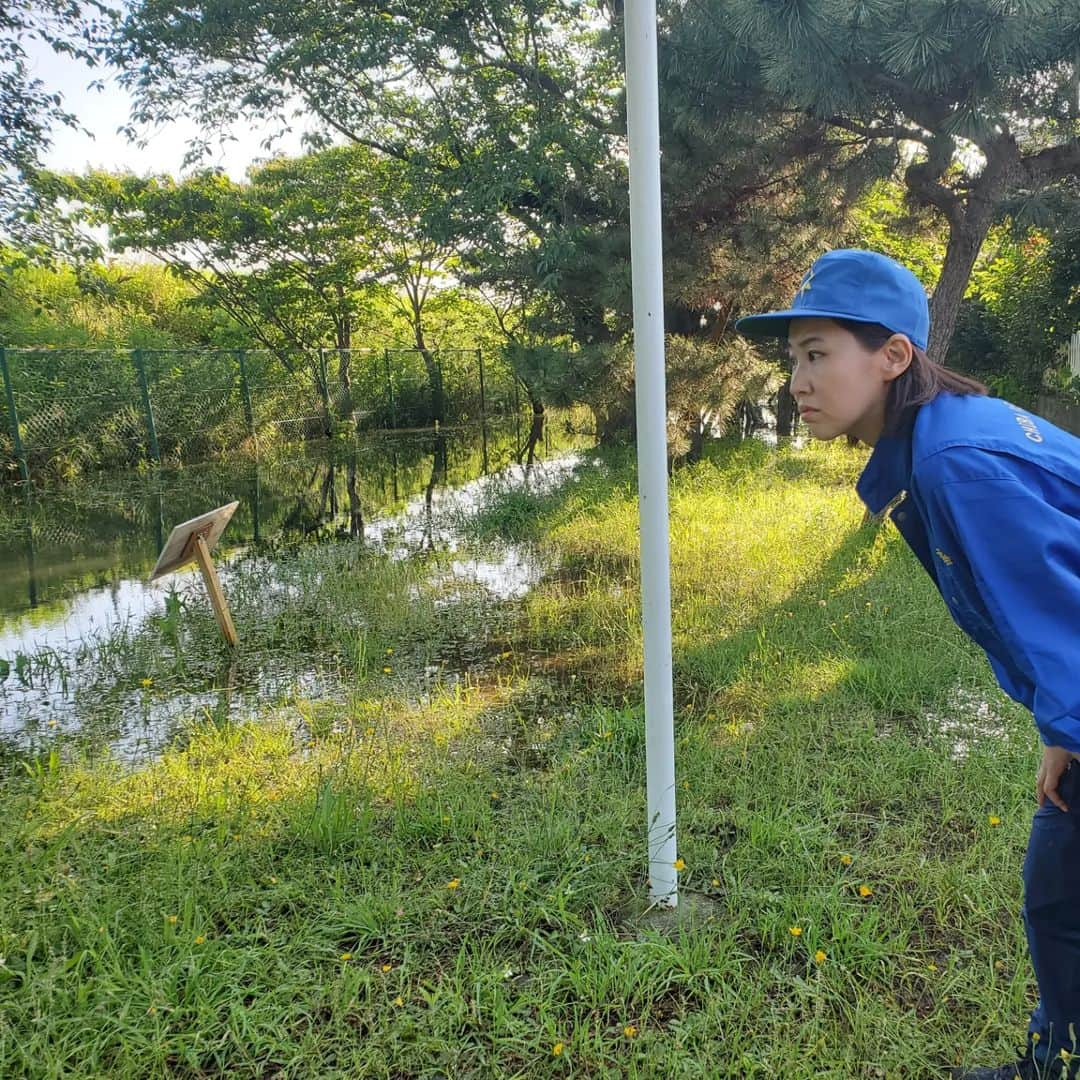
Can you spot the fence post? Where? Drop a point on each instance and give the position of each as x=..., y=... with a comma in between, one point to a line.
x=245, y=389
x=483, y=397
x=324, y=390
x=440, y=407
x=13, y=419
x=390, y=389
x=148, y=408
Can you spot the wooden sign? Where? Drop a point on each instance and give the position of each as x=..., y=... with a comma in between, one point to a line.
x=191, y=542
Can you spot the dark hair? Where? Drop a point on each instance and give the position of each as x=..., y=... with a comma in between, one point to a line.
x=922, y=382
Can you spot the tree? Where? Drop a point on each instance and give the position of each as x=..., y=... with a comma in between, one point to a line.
x=294, y=254
x=514, y=115
x=1023, y=304
x=29, y=109
x=987, y=91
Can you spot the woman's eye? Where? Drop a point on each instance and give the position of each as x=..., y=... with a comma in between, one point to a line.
x=812, y=356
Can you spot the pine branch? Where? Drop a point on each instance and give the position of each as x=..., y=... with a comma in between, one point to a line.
x=890, y=131
x=1053, y=163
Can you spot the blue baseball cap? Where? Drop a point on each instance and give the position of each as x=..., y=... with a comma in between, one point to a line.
x=849, y=284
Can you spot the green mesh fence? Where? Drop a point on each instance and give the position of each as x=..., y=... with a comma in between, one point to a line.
x=82, y=410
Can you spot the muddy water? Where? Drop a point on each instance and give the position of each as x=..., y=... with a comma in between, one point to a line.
x=75, y=564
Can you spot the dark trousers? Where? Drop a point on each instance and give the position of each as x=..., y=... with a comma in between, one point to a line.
x=1052, y=920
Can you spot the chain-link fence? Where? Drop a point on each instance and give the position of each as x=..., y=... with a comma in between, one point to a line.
x=65, y=412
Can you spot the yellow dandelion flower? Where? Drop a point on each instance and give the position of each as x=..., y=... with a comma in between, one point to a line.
x=557, y=1049
x=399, y=1001
x=388, y=967
x=1035, y=1036
x=346, y=957
x=679, y=865
x=629, y=1031
x=820, y=957
x=795, y=931
x=389, y=652
x=845, y=860
x=147, y=683
x=387, y=670
x=273, y=880
x=1065, y=1055
x=453, y=883
x=931, y=967
x=171, y=919
x=716, y=882
x=994, y=820
x=865, y=891
x=201, y=939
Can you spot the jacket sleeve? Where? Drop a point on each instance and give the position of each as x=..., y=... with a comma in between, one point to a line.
x=1019, y=531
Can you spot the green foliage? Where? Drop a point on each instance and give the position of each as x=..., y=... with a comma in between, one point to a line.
x=123, y=305
x=884, y=220
x=30, y=109
x=988, y=93
x=512, y=133
x=1022, y=309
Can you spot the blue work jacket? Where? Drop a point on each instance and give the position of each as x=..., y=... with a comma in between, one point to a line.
x=987, y=495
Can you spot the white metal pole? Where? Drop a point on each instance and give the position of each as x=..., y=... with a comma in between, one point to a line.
x=643, y=118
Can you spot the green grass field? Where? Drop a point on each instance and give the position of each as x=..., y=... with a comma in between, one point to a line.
x=448, y=879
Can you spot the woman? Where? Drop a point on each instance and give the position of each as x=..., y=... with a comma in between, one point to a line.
x=988, y=497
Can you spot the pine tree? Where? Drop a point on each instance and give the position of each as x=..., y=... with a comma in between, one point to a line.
x=987, y=92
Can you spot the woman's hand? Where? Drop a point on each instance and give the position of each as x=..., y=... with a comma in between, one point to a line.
x=1054, y=763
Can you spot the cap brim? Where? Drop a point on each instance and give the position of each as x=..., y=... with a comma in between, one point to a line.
x=774, y=324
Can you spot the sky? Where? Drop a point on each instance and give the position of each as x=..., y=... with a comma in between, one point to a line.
x=103, y=112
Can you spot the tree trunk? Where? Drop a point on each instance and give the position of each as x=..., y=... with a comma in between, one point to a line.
x=434, y=374
x=785, y=411
x=536, y=431
x=356, y=513
x=345, y=410
x=697, y=437
x=965, y=240
x=431, y=365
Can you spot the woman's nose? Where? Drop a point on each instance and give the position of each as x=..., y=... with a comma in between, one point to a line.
x=799, y=381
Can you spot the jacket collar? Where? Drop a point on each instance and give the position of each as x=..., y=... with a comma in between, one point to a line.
x=888, y=472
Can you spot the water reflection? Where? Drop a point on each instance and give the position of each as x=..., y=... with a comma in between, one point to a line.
x=55, y=545
x=75, y=563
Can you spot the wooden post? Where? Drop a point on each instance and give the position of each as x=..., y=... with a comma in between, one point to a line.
x=213, y=587
x=192, y=541
x=13, y=418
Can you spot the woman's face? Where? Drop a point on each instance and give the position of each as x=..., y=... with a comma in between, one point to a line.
x=839, y=385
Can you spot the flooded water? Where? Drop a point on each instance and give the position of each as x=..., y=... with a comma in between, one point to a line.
x=76, y=562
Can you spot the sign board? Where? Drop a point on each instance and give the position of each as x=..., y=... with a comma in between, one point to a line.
x=179, y=549
x=193, y=541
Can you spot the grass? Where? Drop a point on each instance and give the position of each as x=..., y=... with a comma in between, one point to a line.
x=448, y=880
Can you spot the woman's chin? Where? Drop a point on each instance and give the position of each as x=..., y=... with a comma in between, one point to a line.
x=822, y=431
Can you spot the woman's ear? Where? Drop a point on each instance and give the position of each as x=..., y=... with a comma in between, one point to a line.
x=896, y=355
